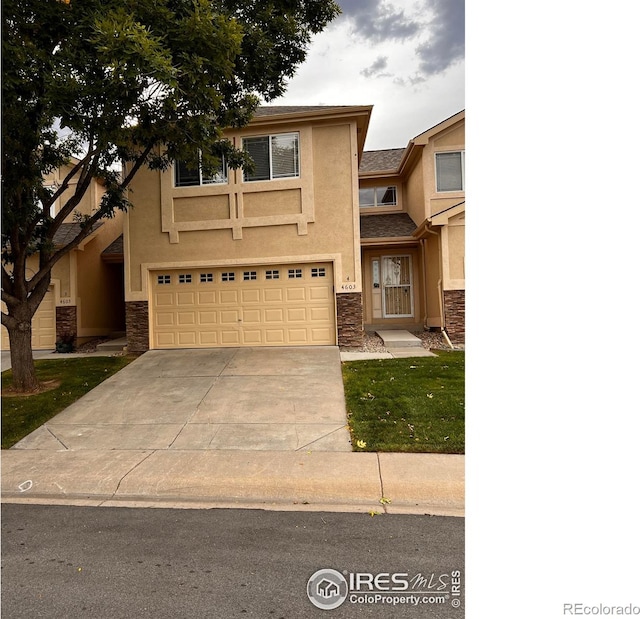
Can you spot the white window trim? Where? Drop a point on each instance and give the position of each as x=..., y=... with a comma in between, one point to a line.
x=411, y=286
x=271, y=177
x=375, y=194
x=435, y=169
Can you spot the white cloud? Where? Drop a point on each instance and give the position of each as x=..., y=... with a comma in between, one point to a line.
x=351, y=66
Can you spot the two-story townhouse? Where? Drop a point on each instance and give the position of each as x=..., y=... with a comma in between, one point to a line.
x=268, y=258
x=412, y=228
x=85, y=299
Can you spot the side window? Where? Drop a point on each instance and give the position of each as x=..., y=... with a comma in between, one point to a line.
x=450, y=171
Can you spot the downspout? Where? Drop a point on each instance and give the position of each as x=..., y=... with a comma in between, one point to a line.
x=440, y=291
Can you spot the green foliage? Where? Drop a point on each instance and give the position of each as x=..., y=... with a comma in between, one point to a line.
x=407, y=405
x=21, y=415
x=144, y=81
x=139, y=82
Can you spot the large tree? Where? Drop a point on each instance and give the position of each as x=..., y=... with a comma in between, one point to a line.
x=137, y=81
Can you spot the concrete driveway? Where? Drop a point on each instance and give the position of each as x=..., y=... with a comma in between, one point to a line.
x=267, y=399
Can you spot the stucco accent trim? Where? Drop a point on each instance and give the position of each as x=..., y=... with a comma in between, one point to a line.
x=235, y=189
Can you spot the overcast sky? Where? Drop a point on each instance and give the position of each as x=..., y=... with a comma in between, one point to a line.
x=405, y=58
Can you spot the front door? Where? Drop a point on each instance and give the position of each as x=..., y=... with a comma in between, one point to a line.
x=397, y=293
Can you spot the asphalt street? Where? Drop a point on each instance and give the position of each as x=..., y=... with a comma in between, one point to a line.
x=63, y=561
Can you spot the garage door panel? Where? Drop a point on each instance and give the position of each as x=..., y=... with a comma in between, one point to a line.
x=207, y=298
x=209, y=338
x=296, y=294
x=318, y=314
x=252, y=316
x=207, y=318
x=165, y=339
x=186, y=318
x=251, y=337
x=250, y=296
x=43, y=325
x=229, y=297
x=273, y=315
x=273, y=295
x=187, y=338
x=297, y=336
x=296, y=314
x=253, y=306
x=230, y=337
x=186, y=298
x=274, y=336
x=320, y=336
x=229, y=317
x=318, y=293
x=165, y=319
x=164, y=299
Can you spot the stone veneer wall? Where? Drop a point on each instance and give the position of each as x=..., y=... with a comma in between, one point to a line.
x=454, y=304
x=137, y=320
x=350, y=319
x=66, y=321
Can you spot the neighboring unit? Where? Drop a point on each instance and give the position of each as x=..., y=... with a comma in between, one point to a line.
x=85, y=299
x=412, y=228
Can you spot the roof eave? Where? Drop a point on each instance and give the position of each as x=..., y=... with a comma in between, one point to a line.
x=388, y=240
x=361, y=112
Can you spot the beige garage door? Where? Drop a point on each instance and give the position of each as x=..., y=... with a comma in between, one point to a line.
x=275, y=305
x=43, y=326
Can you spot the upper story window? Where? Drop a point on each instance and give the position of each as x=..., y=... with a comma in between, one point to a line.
x=378, y=196
x=186, y=176
x=274, y=156
x=450, y=171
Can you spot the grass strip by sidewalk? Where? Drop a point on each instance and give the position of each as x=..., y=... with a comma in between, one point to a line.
x=22, y=414
x=407, y=405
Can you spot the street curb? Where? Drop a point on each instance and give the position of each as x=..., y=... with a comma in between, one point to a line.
x=315, y=481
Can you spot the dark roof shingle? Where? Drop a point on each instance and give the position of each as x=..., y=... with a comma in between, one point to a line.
x=381, y=160
x=117, y=247
x=386, y=226
x=275, y=110
x=67, y=232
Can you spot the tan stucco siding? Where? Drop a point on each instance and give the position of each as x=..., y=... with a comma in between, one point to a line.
x=433, y=282
x=266, y=225
x=456, y=252
x=90, y=199
x=414, y=199
x=452, y=139
x=99, y=294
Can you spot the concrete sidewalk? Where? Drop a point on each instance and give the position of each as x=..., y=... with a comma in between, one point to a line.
x=259, y=428
x=360, y=482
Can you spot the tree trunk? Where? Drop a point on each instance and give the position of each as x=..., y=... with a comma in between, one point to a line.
x=22, y=366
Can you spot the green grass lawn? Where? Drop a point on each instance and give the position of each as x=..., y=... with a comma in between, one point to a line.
x=407, y=405
x=21, y=414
